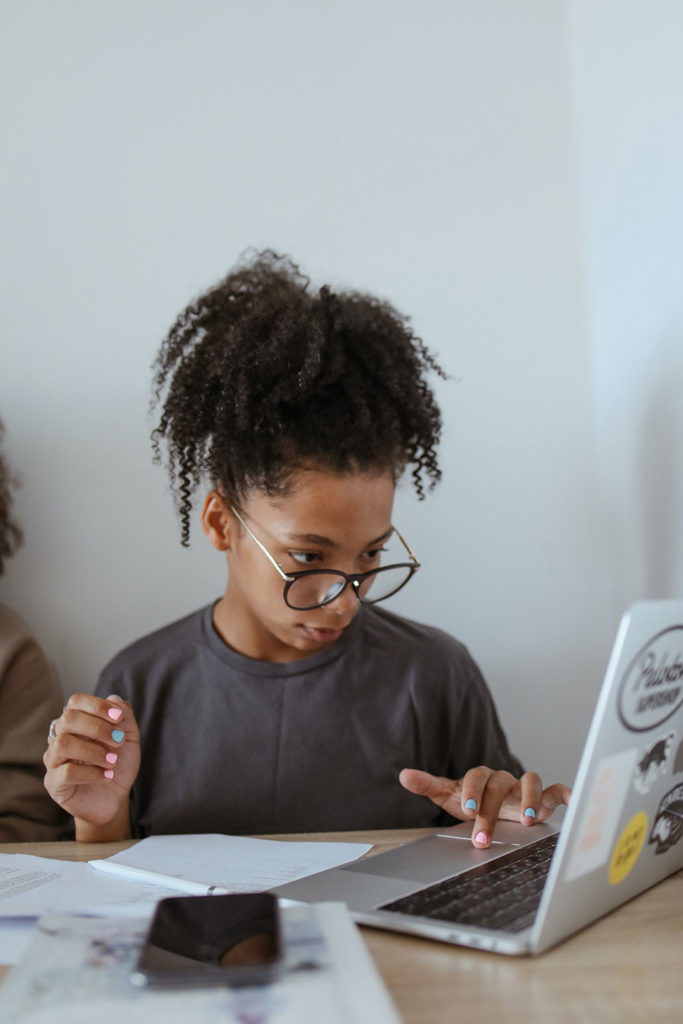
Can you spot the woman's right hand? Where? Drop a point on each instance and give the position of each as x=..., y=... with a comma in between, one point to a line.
x=92, y=760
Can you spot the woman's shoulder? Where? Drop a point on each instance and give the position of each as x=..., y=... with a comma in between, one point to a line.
x=15, y=635
x=25, y=670
x=422, y=658
x=160, y=645
x=11, y=623
x=408, y=635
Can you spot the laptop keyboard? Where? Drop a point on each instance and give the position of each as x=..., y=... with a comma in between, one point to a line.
x=503, y=894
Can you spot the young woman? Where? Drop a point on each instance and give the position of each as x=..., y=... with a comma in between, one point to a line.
x=296, y=702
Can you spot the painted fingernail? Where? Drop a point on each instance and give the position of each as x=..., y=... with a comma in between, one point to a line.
x=112, y=758
x=108, y=774
x=117, y=735
x=482, y=838
x=471, y=805
x=115, y=714
x=530, y=813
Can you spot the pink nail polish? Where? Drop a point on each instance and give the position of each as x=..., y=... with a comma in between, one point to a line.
x=482, y=838
x=108, y=774
x=112, y=758
x=114, y=714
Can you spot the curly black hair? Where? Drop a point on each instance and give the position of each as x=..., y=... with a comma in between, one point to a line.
x=11, y=536
x=262, y=375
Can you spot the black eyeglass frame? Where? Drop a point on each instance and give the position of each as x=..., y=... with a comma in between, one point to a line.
x=354, y=578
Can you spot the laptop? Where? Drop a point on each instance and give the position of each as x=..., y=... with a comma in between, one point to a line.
x=533, y=887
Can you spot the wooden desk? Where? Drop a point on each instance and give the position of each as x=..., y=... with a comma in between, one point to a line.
x=626, y=967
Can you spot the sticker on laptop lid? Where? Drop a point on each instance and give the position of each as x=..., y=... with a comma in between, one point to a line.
x=651, y=690
x=602, y=809
x=628, y=847
x=668, y=824
x=652, y=762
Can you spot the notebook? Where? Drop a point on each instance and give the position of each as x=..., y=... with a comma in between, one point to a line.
x=621, y=834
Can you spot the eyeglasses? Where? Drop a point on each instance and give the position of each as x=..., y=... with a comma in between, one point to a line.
x=313, y=588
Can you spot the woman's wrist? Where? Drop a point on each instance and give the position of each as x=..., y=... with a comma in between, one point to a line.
x=110, y=831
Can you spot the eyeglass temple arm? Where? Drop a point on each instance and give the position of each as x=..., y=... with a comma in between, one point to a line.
x=405, y=545
x=290, y=579
x=285, y=577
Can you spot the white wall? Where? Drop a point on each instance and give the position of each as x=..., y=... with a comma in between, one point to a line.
x=448, y=155
x=628, y=76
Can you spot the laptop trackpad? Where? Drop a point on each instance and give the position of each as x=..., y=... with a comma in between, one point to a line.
x=428, y=860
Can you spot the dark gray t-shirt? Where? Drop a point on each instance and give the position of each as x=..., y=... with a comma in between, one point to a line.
x=234, y=745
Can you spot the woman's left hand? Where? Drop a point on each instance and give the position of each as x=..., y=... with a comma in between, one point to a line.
x=483, y=796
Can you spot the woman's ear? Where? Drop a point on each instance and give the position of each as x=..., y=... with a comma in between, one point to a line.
x=216, y=521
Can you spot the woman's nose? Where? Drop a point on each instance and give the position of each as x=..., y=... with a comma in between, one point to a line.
x=346, y=601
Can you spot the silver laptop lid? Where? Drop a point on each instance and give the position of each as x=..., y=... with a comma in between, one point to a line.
x=624, y=824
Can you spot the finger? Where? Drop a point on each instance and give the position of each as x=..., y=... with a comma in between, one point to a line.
x=112, y=709
x=95, y=729
x=441, y=791
x=69, y=721
x=531, y=798
x=498, y=788
x=72, y=775
x=472, y=790
x=553, y=797
x=109, y=721
x=68, y=747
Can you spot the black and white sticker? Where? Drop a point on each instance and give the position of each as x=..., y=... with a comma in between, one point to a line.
x=651, y=690
x=652, y=762
x=668, y=824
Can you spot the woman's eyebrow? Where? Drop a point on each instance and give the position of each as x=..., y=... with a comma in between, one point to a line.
x=312, y=538
x=326, y=542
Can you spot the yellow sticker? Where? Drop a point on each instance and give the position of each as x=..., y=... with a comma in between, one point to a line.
x=628, y=847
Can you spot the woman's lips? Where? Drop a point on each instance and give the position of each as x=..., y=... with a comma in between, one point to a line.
x=323, y=634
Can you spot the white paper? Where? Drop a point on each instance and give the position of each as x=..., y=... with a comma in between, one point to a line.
x=229, y=863
x=76, y=971
x=15, y=934
x=31, y=886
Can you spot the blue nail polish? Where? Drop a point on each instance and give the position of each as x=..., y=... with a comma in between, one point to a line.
x=471, y=805
x=117, y=735
x=530, y=813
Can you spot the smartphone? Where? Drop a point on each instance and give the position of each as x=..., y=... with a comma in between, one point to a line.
x=212, y=940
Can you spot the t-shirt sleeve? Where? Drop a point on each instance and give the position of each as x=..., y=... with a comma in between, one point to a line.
x=112, y=682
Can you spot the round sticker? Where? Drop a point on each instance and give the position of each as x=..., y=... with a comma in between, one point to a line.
x=651, y=689
x=628, y=847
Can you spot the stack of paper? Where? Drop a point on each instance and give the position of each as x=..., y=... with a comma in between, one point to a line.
x=76, y=967
x=76, y=971
x=133, y=881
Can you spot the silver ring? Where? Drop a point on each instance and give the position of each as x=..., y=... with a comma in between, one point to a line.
x=52, y=735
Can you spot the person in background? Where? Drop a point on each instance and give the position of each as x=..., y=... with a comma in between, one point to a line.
x=30, y=697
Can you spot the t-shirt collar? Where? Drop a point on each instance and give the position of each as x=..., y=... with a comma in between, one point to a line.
x=269, y=668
